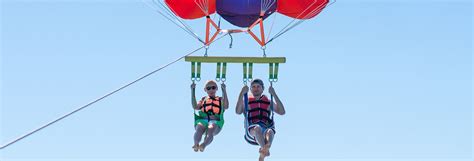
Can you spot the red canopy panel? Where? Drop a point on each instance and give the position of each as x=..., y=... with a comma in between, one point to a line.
x=192, y=9
x=301, y=9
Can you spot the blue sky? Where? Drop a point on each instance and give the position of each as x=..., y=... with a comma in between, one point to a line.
x=372, y=80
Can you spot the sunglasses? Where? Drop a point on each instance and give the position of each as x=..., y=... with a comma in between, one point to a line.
x=211, y=87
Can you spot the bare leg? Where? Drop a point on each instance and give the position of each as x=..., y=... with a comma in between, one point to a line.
x=269, y=134
x=198, y=136
x=211, y=131
x=258, y=134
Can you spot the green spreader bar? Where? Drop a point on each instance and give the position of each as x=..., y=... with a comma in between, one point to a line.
x=273, y=64
x=217, y=59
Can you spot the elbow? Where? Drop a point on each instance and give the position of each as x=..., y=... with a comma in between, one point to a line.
x=281, y=112
x=238, y=111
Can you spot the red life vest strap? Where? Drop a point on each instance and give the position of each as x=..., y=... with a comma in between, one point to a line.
x=259, y=101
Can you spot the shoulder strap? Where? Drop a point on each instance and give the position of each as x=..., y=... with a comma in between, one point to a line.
x=271, y=106
x=202, y=102
x=259, y=101
x=246, y=103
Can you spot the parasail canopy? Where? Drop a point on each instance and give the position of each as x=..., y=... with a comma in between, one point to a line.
x=244, y=13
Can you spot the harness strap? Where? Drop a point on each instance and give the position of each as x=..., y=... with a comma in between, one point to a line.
x=260, y=117
x=259, y=101
x=210, y=104
x=259, y=109
x=271, y=106
x=246, y=107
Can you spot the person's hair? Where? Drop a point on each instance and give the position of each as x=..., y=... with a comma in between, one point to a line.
x=210, y=82
x=258, y=81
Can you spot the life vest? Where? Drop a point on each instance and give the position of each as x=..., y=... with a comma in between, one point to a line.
x=260, y=111
x=211, y=105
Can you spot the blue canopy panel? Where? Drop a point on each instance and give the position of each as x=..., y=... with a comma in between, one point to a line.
x=244, y=13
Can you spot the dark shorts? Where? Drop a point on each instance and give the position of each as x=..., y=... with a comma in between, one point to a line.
x=250, y=138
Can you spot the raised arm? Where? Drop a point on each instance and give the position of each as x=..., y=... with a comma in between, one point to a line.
x=193, y=97
x=224, y=97
x=280, y=109
x=239, y=108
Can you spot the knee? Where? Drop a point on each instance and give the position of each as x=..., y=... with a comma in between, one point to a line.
x=256, y=130
x=211, y=126
x=210, y=132
x=269, y=132
x=200, y=127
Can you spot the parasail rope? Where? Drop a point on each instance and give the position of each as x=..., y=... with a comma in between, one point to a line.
x=100, y=98
x=295, y=22
x=173, y=14
x=159, y=7
x=266, y=5
x=203, y=5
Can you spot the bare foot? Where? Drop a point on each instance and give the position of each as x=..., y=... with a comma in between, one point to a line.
x=262, y=154
x=196, y=147
x=202, y=147
x=265, y=150
x=261, y=158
